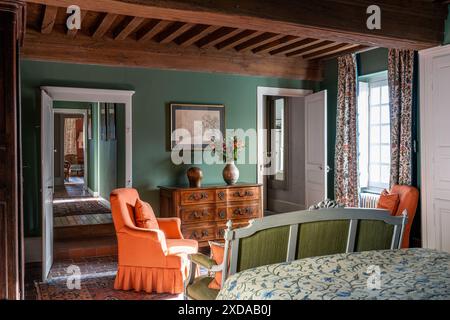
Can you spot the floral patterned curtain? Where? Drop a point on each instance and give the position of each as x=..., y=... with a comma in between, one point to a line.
x=70, y=136
x=346, y=157
x=400, y=77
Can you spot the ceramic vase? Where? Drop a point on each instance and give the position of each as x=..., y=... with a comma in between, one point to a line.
x=230, y=173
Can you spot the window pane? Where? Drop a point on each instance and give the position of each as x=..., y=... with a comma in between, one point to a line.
x=374, y=115
x=386, y=154
x=385, y=134
x=375, y=95
x=374, y=134
x=384, y=94
x=385, y=172
x=374, y=153
x=374, y=173
x=385, y=117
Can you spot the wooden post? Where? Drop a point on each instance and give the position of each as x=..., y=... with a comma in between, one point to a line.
x=12, y=26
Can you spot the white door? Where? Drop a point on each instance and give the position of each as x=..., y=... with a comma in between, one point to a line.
x=316, y=148
x=47, y=182
x=435, y=137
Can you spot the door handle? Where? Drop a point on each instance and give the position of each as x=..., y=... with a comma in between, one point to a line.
x=49, y=187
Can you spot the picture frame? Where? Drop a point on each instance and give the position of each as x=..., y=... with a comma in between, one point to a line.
x=111, y=121
x=183, y=116
x=89, y=123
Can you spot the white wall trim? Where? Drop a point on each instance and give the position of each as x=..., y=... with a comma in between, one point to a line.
x=102, y=95
x=83, y=112
x=92, y=193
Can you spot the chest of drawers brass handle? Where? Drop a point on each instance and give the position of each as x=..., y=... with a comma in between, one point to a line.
x=198, y=196
x=242, y=194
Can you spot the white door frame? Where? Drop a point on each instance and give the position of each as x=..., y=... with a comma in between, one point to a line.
x=83, y=112
x=102, y=95
x=426, y=58
x=260, y=115
x=261, y=92
x=92, y=95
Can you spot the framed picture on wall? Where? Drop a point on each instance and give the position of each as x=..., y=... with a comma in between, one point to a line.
x=89, y=123
x=111, y=121
x=103, y=123
x=183, y=116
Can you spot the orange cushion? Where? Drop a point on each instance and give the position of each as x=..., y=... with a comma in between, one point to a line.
x=217, y=252
x=177, y=246
x=144, y=215
x=388, y=201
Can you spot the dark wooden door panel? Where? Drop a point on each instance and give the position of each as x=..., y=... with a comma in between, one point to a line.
x=11, y=27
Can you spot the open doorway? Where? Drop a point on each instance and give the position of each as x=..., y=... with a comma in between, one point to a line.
x=292, y=148
x=86, y=153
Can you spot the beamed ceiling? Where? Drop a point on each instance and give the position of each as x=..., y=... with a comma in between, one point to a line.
x=222, y=36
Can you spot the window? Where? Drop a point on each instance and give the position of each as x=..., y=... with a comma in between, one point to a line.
x=374, y=133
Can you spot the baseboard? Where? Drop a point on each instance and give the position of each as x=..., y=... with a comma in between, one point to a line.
x=285, y=206
x=33, y=249
x=92, y=193
x=105, y=202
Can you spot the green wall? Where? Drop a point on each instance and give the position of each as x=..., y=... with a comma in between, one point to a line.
x=155, y=89
x=112, y=157
x=447, y=28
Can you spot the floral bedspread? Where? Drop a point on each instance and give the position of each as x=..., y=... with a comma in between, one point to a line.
x=386, y=274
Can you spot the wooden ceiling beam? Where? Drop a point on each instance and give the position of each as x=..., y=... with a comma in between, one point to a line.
x=313, y=48
x=258, y=41
x=129, y=28
x=216, y=37
x=278, y=43
x=152, y=29
x=357, y=49
x=237, y=39
x=104, y=25
x=172, y=32
x=49, y=19
x=195, y=34
x=73, y=32
x=294, y=46
x=128, y=52
x=329, y=51
x=342, y=21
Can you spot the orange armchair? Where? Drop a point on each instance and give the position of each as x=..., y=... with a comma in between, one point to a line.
x=152, y=260
x=409, y=198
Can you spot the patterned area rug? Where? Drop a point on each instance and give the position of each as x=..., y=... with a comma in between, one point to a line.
x=73, y=208
x=99, y=288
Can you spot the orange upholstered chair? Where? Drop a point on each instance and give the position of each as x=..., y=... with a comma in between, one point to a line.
x=151, y=260
x=409, y=197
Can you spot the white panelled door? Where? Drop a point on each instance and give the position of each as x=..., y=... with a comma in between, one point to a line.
x=47, y=182
x=435, y=153
x=316, y=147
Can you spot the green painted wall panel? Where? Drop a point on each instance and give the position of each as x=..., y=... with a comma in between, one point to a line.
x=155, y=89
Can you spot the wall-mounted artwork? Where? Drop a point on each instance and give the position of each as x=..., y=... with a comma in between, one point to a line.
x=183, y=116
x=89, y=123
x=103, y=123
x=111, y=121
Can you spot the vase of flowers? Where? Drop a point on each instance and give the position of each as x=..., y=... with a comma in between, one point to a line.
x=230, y=152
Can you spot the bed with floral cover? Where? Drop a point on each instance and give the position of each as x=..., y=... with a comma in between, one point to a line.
x=414, y=273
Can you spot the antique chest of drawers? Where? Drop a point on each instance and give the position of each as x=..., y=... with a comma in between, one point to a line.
x=204, y=211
